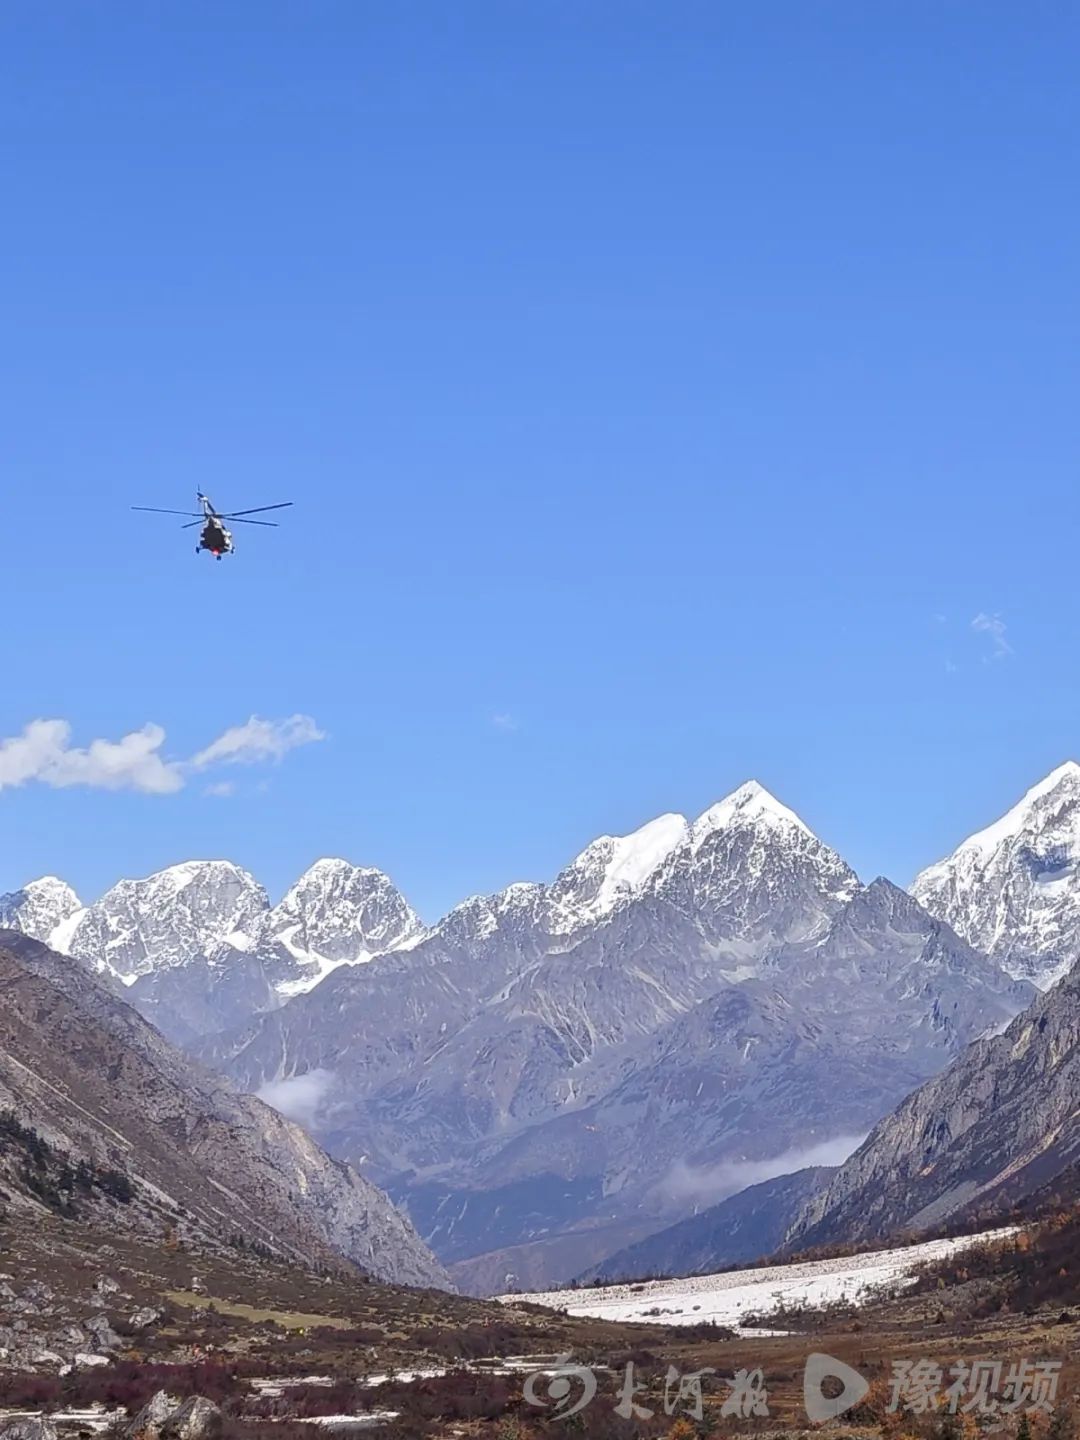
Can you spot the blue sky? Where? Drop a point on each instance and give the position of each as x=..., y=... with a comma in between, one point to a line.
x=664, y=389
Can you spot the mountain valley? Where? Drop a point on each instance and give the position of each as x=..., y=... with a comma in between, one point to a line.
x=557, y=1071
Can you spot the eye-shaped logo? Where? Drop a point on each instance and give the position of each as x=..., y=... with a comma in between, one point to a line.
x=563, y=1380
x=820, y=1371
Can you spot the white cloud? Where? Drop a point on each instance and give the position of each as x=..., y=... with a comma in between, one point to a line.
x=299, y=1097
x=44, y=755
x=259, y=740
x=995, y=627
x=707, y=1184
x=502, y=721
x=221, y=789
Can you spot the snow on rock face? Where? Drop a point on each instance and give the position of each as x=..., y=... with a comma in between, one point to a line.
x=751, y=869
x=749, y=805
x=142, y=926
x=39, y=908
x=1013, y=889
x=477, y=922
x=613, y=869
x=201, y=947
x=746, y=854
x=337, y=914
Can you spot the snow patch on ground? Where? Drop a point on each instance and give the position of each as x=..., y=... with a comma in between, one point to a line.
x=732, y=1296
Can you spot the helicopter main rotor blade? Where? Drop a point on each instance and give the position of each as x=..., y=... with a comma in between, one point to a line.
x=259, y=509
x=270, y=524
x=191, y=525
x=152, y=510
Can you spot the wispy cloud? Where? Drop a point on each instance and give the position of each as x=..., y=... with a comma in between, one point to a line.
x=501, y=720
x=258, y=741
x=44, y=755
x=994, y=627
x=221, y=789
x=707, y=1184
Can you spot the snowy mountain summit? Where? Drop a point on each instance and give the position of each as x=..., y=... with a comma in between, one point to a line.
x=746, y=855
x=40, y=908
x=612, y=870
x=1013, y=889
x=208, y=926
x=198, y=947
x=335, y=914
x=142, y=926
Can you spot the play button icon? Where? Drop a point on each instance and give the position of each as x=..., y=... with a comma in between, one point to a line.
x=846, y=1387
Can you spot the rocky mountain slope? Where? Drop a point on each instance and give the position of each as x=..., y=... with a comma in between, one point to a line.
x=102, y=1112
x=1013, y=889
x=614, y=1046
x=998, y=1126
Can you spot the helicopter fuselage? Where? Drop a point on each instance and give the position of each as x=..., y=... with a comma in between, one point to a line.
x=215, y=538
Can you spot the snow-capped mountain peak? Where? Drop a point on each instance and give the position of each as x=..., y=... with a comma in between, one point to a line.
x=165, y=919
x=336, y=914
x=39, y=908
x=612, y=870
x=633, y=859
x=201, y=944
x=616, y=869
x=750, y=804
x=751, y=869
x=1033, y=814
x=1013, y=889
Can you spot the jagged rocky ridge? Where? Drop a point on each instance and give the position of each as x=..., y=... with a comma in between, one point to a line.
x=98, y=1084
x=198, y=947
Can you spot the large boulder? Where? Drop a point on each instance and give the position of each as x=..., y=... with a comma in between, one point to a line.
x=102, y=1333
x=150, y=1421
x=196, y=1419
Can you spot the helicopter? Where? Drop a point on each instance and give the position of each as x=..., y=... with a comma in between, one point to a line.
x=215, y=537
